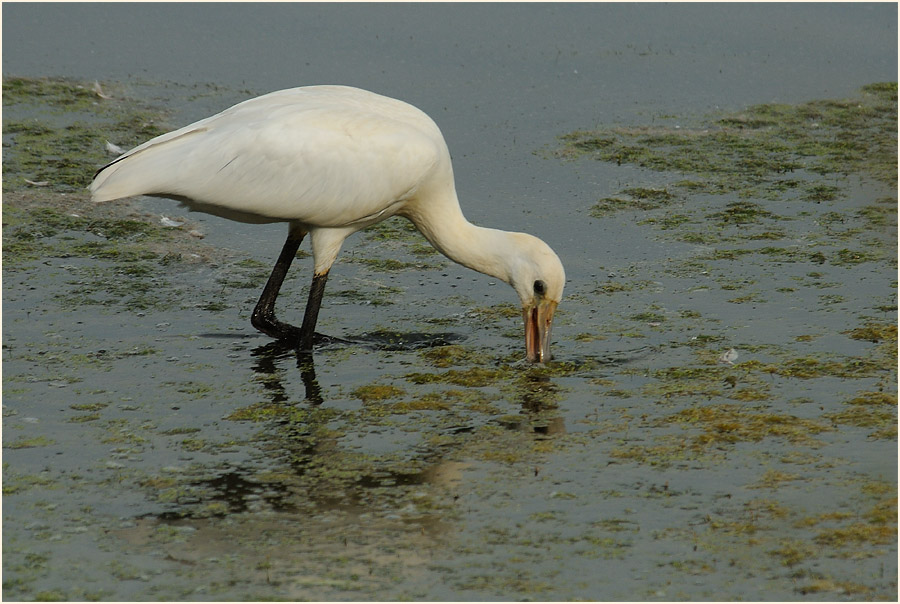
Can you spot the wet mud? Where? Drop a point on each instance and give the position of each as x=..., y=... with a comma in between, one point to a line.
x=719, y=420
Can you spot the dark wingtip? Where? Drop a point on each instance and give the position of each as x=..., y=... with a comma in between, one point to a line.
x=106, y=166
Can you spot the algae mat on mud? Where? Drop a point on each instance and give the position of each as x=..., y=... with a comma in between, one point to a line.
x=720, y=422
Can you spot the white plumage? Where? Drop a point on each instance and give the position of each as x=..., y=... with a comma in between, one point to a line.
x=329, y=161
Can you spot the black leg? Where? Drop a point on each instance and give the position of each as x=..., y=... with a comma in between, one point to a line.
x=308, y=328
x=263, y=317
x=308, y=375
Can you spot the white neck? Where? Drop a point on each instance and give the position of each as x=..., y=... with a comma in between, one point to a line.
x=488, y=251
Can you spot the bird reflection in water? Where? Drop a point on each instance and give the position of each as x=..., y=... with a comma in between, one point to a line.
x=266, y=364
x=269, y=355
x=537, y=393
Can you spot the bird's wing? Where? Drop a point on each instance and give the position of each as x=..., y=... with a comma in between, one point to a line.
x=321, y=166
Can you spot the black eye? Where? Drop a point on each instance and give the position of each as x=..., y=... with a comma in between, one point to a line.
x=540, y=288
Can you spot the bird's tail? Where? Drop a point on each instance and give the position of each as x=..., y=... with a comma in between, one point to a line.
x=147, y=169
x=110, y=183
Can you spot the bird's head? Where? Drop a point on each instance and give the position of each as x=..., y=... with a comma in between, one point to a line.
x=538, y=278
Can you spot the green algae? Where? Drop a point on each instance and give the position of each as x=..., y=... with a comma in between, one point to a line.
x=749, y=153
x=874, y=398
x=792, y=552
x=377, y=392
x=740, y=213
x=428, y=402
x=805, y=368
x=727, y=423
x=503, y=310
x=132, y=254
x=472, y=377
x=449, y=356
x=857, y=533
x=678, y=417
x=394, y=230
x=35, y=230
x=27, y=443
x=638, y=198
x=62, y=141
x=51, y=91
x=264, y=410
x=847, y=257
x=863, y=413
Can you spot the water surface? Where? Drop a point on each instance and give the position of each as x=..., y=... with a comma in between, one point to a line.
x=156, y=447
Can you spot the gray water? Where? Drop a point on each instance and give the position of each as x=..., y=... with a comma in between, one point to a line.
x=522, y=490
x=501, y=80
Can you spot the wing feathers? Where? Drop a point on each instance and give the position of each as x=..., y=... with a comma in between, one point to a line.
x=327, y=158
x=143, y=170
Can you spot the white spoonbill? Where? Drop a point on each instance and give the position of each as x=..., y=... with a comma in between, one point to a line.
x=329, y=161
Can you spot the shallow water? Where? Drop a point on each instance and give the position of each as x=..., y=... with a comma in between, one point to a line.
x=156, y=447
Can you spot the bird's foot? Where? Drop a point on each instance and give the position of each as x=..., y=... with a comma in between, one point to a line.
x=284, y=332
x=292, y=336
x=320, y=339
